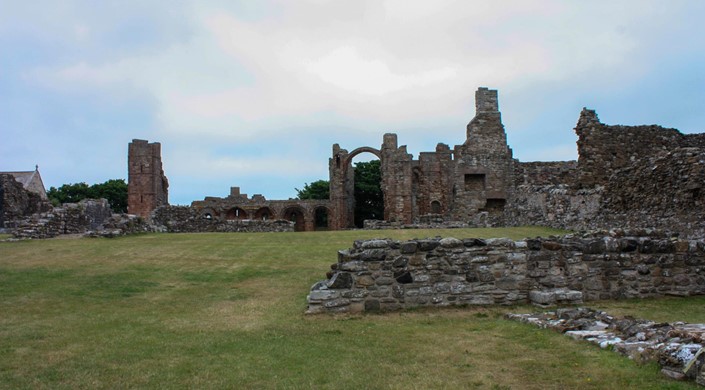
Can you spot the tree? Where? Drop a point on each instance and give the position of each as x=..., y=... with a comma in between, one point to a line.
x=319, y=189
x=115, y=191
x=369, y=200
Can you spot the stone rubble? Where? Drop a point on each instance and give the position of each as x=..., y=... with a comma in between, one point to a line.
x=677, y=347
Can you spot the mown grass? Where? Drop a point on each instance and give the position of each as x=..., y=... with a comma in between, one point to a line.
x=226, y=311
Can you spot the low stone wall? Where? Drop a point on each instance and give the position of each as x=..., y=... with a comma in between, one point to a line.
x=184, y=219
x=387, y=275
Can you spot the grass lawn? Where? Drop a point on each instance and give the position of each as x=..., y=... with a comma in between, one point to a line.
x=226, y=311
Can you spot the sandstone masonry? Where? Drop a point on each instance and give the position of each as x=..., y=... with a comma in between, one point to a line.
x=387, y=275
x=625, y=177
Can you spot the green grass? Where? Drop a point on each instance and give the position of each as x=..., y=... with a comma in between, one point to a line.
x=226, y=311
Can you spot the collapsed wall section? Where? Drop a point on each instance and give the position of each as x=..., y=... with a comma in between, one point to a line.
x=387, y=275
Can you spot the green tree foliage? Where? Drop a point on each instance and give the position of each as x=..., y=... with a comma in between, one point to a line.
x=369, y=200
x=319, y=189
x=115, y=191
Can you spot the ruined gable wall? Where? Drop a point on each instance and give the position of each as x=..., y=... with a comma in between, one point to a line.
x=483, y=164
x=390, y=275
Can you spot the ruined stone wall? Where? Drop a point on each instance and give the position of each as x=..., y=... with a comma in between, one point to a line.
x=544, y=172
x=385, y=275
x=432, y=184
x=396, y=180
x=604, y=149
x=666, y=191
x=483, y=169
x=558, y=206
x=71, y=218
x=238, y=207
x=17, y=203
x=184, y=219
x=147, y=186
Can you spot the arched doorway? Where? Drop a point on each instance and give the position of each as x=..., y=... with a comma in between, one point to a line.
x=320, y=218
x=236, y=213
x=295, y=214
x=356, y=188
x=264, y=213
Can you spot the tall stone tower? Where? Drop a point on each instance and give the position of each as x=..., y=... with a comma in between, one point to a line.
x=147, y=186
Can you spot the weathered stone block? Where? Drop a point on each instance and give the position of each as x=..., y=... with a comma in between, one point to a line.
x=341, y=280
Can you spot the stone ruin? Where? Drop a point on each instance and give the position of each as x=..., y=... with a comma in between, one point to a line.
x=678, y=347
x=625, y=177
x=388, y=275
x=25, y=211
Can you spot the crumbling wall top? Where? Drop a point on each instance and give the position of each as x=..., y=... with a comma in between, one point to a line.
x=486, y=100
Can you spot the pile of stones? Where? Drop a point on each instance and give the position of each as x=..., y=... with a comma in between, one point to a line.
x=677, y=347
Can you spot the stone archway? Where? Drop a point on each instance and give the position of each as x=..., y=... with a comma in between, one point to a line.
x=295, y=214
x=236, y=213
x=264, y=213
x=342, y=184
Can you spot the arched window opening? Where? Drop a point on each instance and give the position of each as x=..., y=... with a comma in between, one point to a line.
x=208, y=216
x=236, y=213
x=263, y=214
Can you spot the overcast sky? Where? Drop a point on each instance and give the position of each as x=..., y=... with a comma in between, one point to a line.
x=254, y=93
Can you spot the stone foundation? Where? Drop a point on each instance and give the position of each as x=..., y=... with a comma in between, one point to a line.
x=388, y=275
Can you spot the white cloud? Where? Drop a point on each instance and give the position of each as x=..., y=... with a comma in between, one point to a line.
x=249, y=72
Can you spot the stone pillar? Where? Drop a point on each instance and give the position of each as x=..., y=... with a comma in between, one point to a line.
x=396, y=181
x=338, y=192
